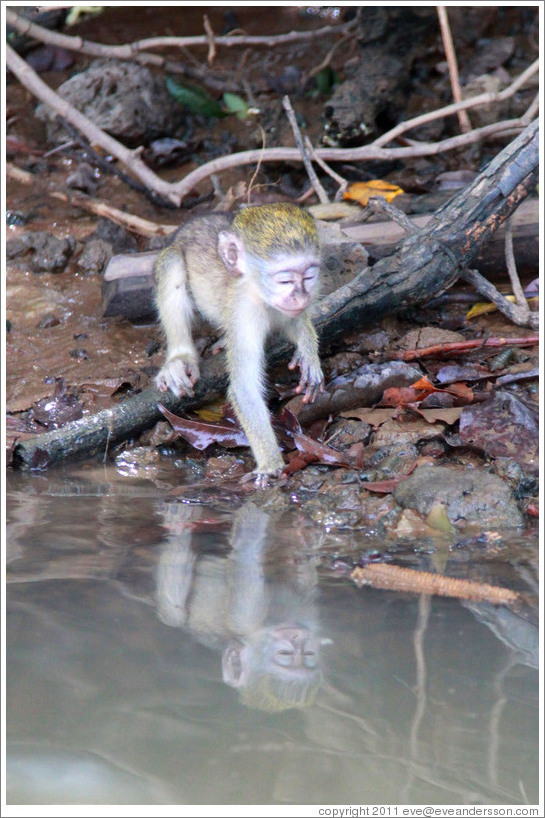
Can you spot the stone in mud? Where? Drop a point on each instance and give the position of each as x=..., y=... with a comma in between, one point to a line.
x=122, y=98
x=469, y=496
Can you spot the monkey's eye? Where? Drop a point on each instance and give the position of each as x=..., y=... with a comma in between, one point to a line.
x=285, y=282
x=311, y=274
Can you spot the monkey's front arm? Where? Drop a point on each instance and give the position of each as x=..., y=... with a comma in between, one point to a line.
x=181, y=368
x=306, y=358
x=245, y=357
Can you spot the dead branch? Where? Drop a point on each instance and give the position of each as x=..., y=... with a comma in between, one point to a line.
x=450, y=53
x=397, y=578
x=134, y=223
x=472, y=102
x=131, y=51
x=175, y=192
x=518, y=292
x=426, y=264
x=517, y=313
x=439, y=350
x=366, y=152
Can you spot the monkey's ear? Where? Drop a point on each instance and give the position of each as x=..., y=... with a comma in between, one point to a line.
x=231, y=252
x=234, y=665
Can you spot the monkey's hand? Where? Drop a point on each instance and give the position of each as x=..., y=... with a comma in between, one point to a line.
x=312, y=378
x=264, y=479
x=179, y=375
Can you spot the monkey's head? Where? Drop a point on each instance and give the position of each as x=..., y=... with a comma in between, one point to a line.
x=277, y=245
x=278, y=668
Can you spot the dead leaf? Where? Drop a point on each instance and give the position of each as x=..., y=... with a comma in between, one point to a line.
x=483, y=307
x=369, y=414
x=448, y=415
x=200, y=434
x=438, y=519
x=401, y=396
x=322, y=453
x=363, y=191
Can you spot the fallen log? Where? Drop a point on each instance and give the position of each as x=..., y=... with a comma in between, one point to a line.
x=426, y=264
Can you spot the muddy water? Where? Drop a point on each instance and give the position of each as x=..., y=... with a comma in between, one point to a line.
x=161, y=652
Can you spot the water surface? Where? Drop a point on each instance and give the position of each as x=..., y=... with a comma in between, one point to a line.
x=161, y=652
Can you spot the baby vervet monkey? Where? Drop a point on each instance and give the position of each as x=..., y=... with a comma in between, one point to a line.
x=248, y=274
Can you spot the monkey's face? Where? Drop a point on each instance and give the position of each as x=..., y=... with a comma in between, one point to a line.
x=289, y=281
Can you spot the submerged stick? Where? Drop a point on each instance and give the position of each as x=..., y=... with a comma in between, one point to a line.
x=396, y=578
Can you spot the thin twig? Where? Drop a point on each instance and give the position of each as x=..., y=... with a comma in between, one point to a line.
x=438, y=350
x=315, y=182
x=134, y=223
x=341, y=181
x=472, y=102
x=258, y=166
x=518, y=292
x=521, y=316
x=211, y=40
x=325, y=62
x=380, y=205
x=463, y=119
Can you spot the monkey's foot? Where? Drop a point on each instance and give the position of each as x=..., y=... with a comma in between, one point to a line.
x=179, y=375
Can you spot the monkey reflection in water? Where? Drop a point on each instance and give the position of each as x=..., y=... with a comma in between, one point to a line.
x=260, y=614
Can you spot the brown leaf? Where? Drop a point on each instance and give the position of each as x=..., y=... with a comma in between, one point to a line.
x=369, y=414
x=322, y=453
x=200, y=434
x=401, y=396
x=448, y=415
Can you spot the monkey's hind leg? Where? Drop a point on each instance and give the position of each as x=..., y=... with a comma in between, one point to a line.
x=181, y=368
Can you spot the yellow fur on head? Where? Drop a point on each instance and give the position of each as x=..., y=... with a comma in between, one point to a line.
x=273, y=229
x=266, y=692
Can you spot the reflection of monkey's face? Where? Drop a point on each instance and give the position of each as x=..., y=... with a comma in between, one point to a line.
x=291, y=651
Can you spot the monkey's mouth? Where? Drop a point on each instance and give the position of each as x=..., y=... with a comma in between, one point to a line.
x=292, y=311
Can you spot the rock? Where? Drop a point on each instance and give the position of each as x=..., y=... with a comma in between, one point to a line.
x=503, y=427
x=469, y=496
x=123, y=98
x=122, y=240
x=48, y=253
x=95, y=256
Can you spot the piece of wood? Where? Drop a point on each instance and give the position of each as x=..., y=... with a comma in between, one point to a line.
x=128, y=283
x=128, y=286
x=424, y=265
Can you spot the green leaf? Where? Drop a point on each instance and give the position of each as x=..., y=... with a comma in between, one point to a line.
x=235, y=105
x=195, y=100
x=325, y=80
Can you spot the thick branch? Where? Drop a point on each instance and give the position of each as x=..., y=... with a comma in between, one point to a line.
x=128, y=51
x=427, y=263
